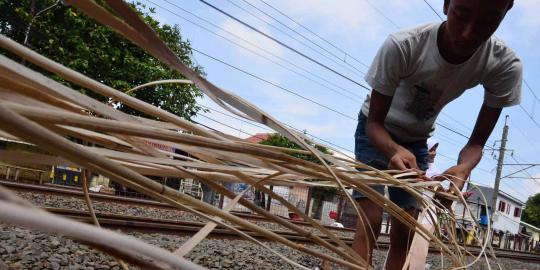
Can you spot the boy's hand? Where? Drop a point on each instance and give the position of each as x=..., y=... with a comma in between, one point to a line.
x=457, y=174
x=402, y=159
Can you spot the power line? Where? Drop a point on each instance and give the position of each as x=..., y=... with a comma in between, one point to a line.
x=284, y=45
x=530, y=89
x=268, y=129
x=223, y=62
x=287, y=90
x=231, y=127
x=274, y=84
x=530, y=116
x=382, y=13
x=352, y=118
x=255, y=46
x=527, y=172
x=432, y=9
x=524, y=81
x=306, y=38
x=315, y=34
x=289, y=35
x=527, y=138
x=454, y=159
x=300, y=96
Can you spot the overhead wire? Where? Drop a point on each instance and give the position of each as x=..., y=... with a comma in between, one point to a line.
x=524, y=81
x=285, y=45
x=257, y=77
x=292, y=92
x=345, y=54
x=530, y=90
x=526, y=171
x=382, y=13
x=350, y=94
x=271, y=130
x=274, y=85
x=434, y=11
x=455, y=159
x=289, y=35
x=442, y=125
x=301, y=96
x=529, y=115
x=349, y=117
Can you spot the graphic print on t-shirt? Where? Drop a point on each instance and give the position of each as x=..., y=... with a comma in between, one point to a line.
x=423, y=102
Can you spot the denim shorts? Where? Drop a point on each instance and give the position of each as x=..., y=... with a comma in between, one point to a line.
x=366, y=153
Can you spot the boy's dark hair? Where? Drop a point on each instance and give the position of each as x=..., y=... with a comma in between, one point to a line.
x=510, y=5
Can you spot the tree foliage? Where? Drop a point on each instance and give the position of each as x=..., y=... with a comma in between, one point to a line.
x=531, y=213
x=65, y=35
x=282, y=141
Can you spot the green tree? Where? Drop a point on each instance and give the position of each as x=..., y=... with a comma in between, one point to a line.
x=65, y=35
x=281, y=141
x=531, y=213
x=319, y=194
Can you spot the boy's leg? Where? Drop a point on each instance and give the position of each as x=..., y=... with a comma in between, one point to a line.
x=368, y=228
x=400, y=241
x=400, y=235
x=367, y=231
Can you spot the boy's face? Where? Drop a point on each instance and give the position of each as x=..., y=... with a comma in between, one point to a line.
x=471, y=22
x=432, y=153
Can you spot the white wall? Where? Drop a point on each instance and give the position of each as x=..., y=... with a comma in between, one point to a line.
x=505, y=220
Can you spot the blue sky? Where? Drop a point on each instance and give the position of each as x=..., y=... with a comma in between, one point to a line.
x=357, y=27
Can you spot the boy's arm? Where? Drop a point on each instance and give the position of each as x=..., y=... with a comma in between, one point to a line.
x=400, y=158
x=471, y=154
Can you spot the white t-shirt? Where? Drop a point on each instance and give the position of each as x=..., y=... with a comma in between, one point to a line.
x=409, y=67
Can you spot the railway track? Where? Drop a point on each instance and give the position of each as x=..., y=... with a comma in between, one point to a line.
x=183, y=227
x=151, y=225
x=77, y=192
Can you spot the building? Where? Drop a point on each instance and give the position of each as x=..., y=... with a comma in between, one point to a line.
x=506, y=231
x=257, y=138
x=533, y=233
x=507, y=216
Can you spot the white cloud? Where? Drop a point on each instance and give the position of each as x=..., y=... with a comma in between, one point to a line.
x=529, y=10
x=348, y=18
x=345, y=16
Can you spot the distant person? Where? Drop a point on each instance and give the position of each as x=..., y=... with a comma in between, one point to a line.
x=432, y=146
x=334, y=217
x=415, y=73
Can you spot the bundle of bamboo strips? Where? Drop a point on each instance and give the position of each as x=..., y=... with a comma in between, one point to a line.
x=43, y=112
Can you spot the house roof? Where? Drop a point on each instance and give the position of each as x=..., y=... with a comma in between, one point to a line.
x=488, y=194
x=534, y=228
x=257, y=138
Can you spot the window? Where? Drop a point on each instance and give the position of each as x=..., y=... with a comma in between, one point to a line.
x=508, y=209
x=517, y=212
x=502, y=206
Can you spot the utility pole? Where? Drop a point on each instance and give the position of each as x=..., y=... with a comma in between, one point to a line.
x=500, y=162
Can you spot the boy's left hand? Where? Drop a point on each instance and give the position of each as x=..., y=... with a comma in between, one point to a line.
x=457, y=174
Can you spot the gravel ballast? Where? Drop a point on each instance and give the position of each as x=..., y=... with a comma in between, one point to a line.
x=27, y=249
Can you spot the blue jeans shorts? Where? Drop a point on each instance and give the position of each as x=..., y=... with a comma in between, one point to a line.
x=366, y=153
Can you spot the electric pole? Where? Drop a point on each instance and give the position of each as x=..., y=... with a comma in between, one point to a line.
x=500, y=162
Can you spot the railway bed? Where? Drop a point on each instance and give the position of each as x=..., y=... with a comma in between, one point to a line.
x=181, y=229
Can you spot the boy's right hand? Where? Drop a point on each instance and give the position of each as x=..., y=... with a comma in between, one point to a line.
x=402, y=159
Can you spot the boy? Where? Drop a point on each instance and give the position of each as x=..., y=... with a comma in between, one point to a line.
x=414, y=75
